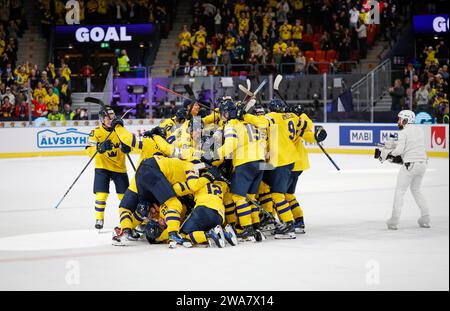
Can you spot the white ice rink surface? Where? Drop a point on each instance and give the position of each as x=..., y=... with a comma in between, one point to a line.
x=347, y=245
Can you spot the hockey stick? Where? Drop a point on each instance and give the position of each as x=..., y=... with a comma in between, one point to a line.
x=102, y=104
x=249, y=95
x=189, y=90
x=276, y=86
x=180, y=95
x=276, y=220
x=85, y=167
x=326, y=153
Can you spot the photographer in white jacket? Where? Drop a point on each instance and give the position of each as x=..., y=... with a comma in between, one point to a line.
x=410, y=147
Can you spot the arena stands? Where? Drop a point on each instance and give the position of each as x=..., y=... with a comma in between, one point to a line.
x=325, y=34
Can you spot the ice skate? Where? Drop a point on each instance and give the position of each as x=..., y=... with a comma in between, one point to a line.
x=259, y=235
x=286, y=232
x=126, y=237
x=267, y=223
x=392, y=224
x=140, y=229
x=247, y=234
x=424, y=222
x=216, y=237
x=230, y=235
x=300, y=226
x=175, y=239
x=99, y=224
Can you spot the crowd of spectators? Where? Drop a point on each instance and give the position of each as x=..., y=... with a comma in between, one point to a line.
x=12, y=26
x=48, y=91
x=308, y=36
x=429, y=83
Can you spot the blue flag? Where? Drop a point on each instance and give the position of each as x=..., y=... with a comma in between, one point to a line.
x=344, y=103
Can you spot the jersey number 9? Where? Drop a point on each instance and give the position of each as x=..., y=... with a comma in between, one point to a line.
x=253, y=133
x=291, y=128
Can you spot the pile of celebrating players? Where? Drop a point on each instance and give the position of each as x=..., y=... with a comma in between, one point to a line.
x=207, y=176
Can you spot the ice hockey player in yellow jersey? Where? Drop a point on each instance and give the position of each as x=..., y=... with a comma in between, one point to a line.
x=109, y=163
x=205, y=222
x=306, y=134
x=132, y=211
x=170, y=125
x=282, y=132
x=154, y=181
x=243, y=147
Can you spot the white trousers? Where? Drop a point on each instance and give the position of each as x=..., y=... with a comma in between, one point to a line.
x=410, y=178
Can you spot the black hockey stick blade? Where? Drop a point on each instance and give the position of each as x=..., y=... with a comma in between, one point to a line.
x=94, y=101
x=190, y=91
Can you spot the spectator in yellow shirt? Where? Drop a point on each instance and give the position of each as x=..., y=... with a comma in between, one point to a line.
x=297, y=32
x=230, y=41
x=200, y=36
x=280, y=45
x=293, y=48
x=51, y=100
x=364, y=16
x=196, y=50
x=185, y=37
x=244, y=22
x=21, y=75
x=431, y=55
x=286, y=31
x=239, y=7
x=66, y=72
x=39, y=91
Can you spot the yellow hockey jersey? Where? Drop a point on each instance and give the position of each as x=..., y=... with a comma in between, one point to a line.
x=282, y=132
x=113, y=160
x=205, y=193
x=147, y=146
x=175, y=170
x=242, y=143
x=306, y=133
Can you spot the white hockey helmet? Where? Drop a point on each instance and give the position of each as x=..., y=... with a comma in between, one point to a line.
x=407, y=115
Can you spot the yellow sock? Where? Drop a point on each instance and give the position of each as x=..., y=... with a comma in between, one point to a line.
x=255, y=210
x=126, y=218
x=282, y=207
x=100, y=205
x=243, y=210
x=265, y=200
x=197, y=237
x=230, y=209
x=297, y=211
x=173, y=215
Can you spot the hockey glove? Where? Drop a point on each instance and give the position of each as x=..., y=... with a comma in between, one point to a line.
x=321, y=134
x=116, y=121
x=395, y=160
x=104, y=146
x=158, y=131
x=212, y=173
x=125, y=149
x=384, y=154
x=241, y=112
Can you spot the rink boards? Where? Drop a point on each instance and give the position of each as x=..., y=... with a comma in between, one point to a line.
x=70, y=138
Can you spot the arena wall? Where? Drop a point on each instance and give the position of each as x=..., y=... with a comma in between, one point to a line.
x=69, y=138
